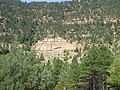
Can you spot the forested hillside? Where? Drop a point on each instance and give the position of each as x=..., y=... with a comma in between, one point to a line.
x=89, y=21
x=92, y=24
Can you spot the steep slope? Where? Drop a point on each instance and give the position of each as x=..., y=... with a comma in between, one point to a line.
x=83, y=21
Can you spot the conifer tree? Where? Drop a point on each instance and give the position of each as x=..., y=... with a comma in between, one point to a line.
x=114, y=78
x=96, y=62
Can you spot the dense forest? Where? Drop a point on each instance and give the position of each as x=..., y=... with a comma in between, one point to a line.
x=96, y=23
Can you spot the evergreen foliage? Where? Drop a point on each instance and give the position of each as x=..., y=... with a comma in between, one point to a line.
x=88, y=22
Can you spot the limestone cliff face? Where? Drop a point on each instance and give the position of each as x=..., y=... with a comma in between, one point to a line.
x=53, y=47
x=53, y=44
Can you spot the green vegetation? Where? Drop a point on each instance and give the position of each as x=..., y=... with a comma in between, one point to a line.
x=23, y=70
x=95, y=24
x=114, y=78
x=28, y=22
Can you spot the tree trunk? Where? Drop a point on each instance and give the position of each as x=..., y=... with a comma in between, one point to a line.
x=118, y=87
x=94, y=82
x=64, y=88
x=105, y=86
x=104, y=83
x=94, y=86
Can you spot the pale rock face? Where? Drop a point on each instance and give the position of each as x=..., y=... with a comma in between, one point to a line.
x=54, y=47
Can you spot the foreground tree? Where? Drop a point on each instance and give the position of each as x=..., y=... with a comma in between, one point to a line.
x=64, y=77
x=96, y=62
x=20, y=70
x=114, y=78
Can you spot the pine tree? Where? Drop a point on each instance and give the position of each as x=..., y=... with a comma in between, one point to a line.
x=96, y=62
x=114, y=78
